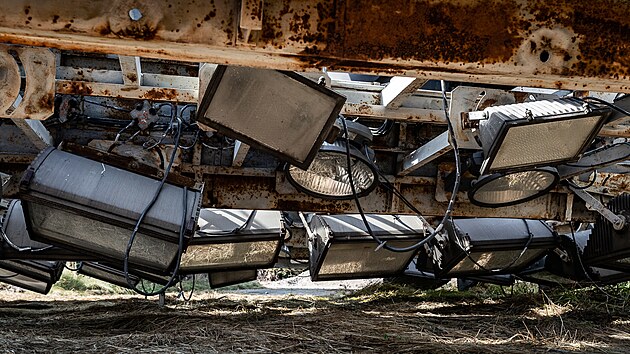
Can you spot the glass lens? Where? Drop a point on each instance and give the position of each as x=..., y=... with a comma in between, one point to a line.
x=540, y=144
x=514, y=187
x=328, y=175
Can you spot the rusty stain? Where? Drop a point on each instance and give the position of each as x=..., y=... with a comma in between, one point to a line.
x=55, y=18
x=77, y=88
x=163, y=94
x=132, y=77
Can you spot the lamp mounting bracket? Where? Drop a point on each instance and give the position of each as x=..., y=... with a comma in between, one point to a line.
x=618, y=221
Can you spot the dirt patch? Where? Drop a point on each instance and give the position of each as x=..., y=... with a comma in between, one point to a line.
x=232, y=322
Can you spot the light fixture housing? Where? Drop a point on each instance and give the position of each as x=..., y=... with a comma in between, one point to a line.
x=488, y=246
x=341, y=247
x=17, y=244
x=541, y=133
x=280, y=112
x=107, y=274
x=606, y=246
x=504, y=189
x=233, y=239
x=221, y=279
x=85, y=205
x=37, y=276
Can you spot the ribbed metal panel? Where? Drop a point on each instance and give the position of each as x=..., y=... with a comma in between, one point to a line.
x=607, y=244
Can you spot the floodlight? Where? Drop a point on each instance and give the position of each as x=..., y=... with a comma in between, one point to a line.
x=37, y=276
x=503, y=189
x=608, y=247
x=220, y=279
x=16, y=243
x=91, y=207
x=541, y=133
x=341, y=247
x=328, y=176
x=489, y=246
x=107, y=274
x=231, y=239
x=281, y=112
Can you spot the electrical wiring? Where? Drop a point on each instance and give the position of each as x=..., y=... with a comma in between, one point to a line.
x=605, y=103
x=181, y=290
x=6, y=239
x=590, y=184
x=236, y=230
x=603, y=163
x=450, y=206
x=65, y=265
x=529, y=241
x=143, y=215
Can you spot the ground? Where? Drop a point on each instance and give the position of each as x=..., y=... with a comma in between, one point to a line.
x=377, y=319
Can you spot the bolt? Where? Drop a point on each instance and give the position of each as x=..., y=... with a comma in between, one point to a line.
x=135, y=14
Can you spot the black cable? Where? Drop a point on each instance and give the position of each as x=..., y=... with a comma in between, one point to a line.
x=73, y=269
x=527, y=244
x=451, y=203
x=143, y=215
x=603, y=163
x=590, y=184
x=8, y=276
x=586, y=273
x=192, y=289
x=236, y=230
x=606, y=103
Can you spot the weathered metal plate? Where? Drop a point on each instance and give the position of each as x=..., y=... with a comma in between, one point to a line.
x=564, y=44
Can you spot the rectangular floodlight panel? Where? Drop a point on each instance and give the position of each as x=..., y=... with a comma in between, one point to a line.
x=230, y=239
x=493, y=244
x=107, y=274
x=38, y=276
x=281, y=112
x=537, y=133
x=91, y=207
x=343, y=249
x=220, y=279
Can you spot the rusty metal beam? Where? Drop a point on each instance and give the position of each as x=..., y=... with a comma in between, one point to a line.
x=563, y=44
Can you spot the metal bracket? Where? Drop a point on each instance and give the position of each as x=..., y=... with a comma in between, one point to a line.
x=618, y=221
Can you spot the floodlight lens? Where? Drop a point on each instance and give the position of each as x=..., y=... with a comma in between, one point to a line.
x=328, y=176
x=533, y=144
x=508, y=189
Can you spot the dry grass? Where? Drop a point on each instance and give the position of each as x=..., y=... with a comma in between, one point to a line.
x=376, y=320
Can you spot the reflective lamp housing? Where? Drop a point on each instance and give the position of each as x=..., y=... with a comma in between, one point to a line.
x=327, y=177
x=232, y=239
x=85, y=205
x=221, y=279
x=541, y=133
x=37, y=276
x=341, y=248
x=16, y=243
x=504, y=189
x=280, y=112
x=489, y=246
x=107, y=274
x=608, y=247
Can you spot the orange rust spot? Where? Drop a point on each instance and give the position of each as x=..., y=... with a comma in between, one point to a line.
x=77, y=88
x=164, y=94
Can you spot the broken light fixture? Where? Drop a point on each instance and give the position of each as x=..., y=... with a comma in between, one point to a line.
x=281, y=112
x=328, y=175
x=541, y=133
x=232, y=239
x=342, y=248
x=16, y=243
x=91, y=207
x=37, y=276
x=503, y=189
x=490, y=246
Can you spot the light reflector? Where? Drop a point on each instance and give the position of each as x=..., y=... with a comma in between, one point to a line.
x=539, y=133
x=91, y=207
x=232, y=239
x=328, y=176
x=503, y=189
x=341, y=247
x=107, y=274
x=37, y=276
x=17, y=244
x=491, y=246
x=221, y=279
x=281, y=112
